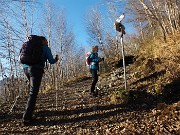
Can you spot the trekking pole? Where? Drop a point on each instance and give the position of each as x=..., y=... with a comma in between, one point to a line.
x=56, y=99
x=56, y=70
x=55, y=83
x=124, y=64
x=17, y=97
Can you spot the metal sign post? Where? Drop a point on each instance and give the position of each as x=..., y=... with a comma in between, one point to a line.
x=124, y=64
x=121, y=29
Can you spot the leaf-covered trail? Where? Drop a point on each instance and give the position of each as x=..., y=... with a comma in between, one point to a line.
x=76, y=112
x=79, y=113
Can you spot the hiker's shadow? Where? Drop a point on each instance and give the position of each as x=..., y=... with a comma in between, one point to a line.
x=86, y=114
x=145, y=102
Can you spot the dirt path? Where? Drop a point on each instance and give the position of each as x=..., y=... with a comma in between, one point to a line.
x=79, y=113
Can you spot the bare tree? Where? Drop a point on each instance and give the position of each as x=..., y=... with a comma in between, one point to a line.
x=62, y=42
x=60, y=32
x=46, y=26
x=95, y=28
x=157, y=14
x=11, y=39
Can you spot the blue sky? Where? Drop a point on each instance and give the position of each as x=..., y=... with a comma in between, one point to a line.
x=75, y=11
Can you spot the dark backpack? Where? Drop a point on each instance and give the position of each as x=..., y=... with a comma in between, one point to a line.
x=31, y=51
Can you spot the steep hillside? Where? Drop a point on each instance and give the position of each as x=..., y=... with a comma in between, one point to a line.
x=150, y=105
x=158, y=65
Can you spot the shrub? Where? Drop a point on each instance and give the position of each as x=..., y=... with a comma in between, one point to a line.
x=121, y=96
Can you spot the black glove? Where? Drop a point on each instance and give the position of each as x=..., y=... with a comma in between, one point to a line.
x=102, y=58
x=56, y=58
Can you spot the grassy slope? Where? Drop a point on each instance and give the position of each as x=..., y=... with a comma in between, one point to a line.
x=157, y=64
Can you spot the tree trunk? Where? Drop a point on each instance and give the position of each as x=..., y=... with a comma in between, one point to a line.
x=156, y=18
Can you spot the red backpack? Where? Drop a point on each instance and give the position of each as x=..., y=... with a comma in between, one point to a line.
x=88, y=58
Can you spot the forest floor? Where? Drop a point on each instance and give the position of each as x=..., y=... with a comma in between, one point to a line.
x=76, y=112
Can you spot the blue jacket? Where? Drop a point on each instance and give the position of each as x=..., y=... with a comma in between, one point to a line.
x=94, y=61
x=47, y=55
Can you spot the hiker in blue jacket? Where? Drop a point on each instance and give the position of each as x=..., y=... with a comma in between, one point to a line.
x=34, y=74
x=94, y=68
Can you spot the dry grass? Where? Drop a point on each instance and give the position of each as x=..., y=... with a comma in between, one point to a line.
x=157, y=56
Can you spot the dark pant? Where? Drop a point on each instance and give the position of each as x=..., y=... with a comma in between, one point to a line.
x=94, y=80
x=34, y=75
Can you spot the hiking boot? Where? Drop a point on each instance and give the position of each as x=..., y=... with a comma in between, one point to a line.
x=94, y=94
x=26, y=122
